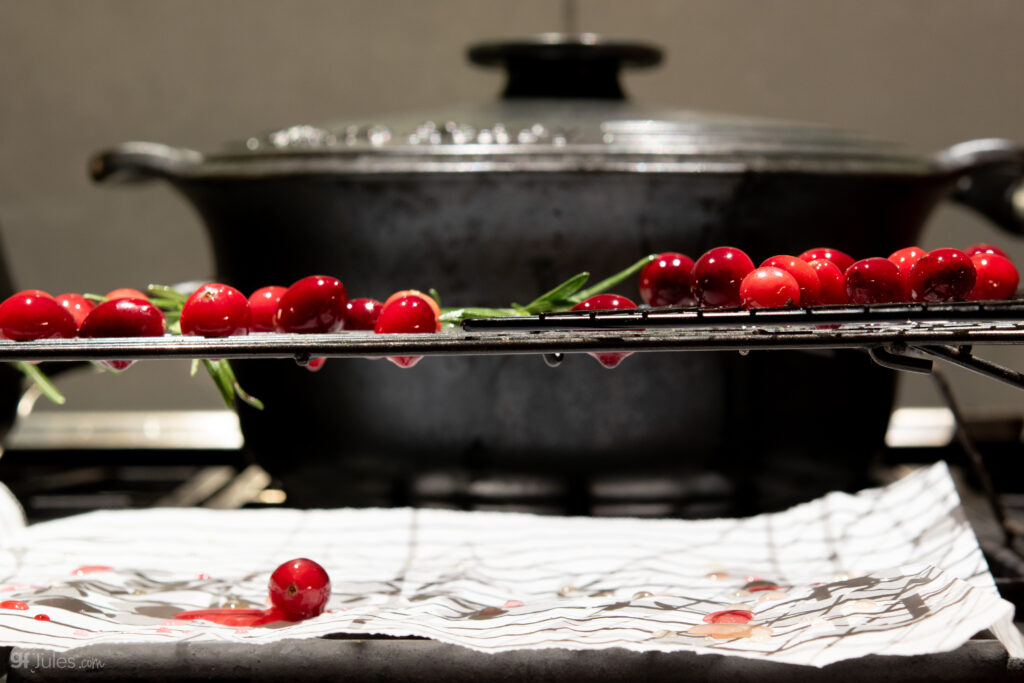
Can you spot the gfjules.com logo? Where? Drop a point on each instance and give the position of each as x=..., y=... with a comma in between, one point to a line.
x=44, y=659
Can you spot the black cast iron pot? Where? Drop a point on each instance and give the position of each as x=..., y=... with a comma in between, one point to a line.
x=497, y=203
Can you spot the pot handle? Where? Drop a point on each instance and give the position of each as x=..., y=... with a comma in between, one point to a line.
x=989, y=176
x=137, y=161
x=564, y=65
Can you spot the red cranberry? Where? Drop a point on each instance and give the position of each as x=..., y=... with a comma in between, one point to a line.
x=124, y=318
x=831, y=280
x=409, y=314
x=263, y=305
x=77, y=305
x=126, y=293
x=717, y=275
x=362, y=314
x=427, y=299
x=906, y=258
x=34, y=314
x=874, y=281
x=216, y=310
x=942, y=275
x=769, y=287
x=997, y=278
x=299, y=589
x=606, y=302
x=668, y=280
x=805, y=276
x=985, y=249
x=313, y=304
x=841, y=259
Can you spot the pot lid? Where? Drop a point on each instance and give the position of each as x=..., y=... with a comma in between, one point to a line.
x=563, y=109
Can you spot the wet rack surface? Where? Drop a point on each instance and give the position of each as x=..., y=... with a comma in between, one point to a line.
x=898, y=336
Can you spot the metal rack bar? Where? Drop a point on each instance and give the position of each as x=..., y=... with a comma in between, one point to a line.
x=462, y=343
x=960, y=312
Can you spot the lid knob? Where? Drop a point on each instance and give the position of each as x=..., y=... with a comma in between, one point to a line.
x=564, y=65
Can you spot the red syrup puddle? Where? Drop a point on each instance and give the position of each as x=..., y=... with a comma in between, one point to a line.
x=13, y=604
x=234, y=616
x=41, y=617
x=90, y=569
x=729, y=616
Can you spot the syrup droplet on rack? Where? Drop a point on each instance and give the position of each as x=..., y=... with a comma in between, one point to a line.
x=721, y=631
x=759, y=585
x=42, y=617
x=731, y=616
x=640, y=595
x=510, y=604
x=728, y=631
x=90, y=569
x=488, y=613
x=13, y=604
x=766, y=596
x=202, y=576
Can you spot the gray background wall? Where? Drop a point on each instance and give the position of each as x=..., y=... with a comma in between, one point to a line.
x=78, y=76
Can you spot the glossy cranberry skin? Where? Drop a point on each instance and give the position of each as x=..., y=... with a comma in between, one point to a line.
x=985, y=249
x=313, y=304
x=362, y=314
x=717, y=275
x=942, y=275
x=124, y=318
x=997, y=278
x=34, y=314
x=769, y=287
x=263, y=306
x=906, y=258
x=606, y=302
x=805, y=276
x=830, y=279
x=874, y=281
x=427, y=299
x=841, y=259
x=216, y=310
x=126, y=293
x=300, y=589
x=668, y=280
x=77, y=305
x=406, y=315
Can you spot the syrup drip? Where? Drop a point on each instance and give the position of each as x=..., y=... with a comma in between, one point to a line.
x=509, y=604
x=760, y=585
x=13, y=604
x=772, y=595
x=41, y=617
x=730, y=616
x=90, y=569
x=728, y=631
x=233, y=616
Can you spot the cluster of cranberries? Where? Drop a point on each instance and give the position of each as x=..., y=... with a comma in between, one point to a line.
x=726, y=277
x=34, y=314
x=314, y=304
